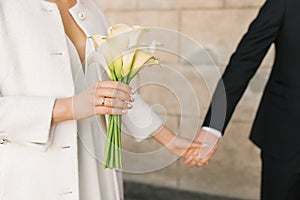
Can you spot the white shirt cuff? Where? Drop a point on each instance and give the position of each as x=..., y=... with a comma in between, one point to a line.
x=213, y=131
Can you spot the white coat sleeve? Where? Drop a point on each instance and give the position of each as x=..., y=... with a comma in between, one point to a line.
x=23, y=119
x=26, y=119
x=141, y=121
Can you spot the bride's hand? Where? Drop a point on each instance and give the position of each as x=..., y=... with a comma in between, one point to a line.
x=104, y=97
x=180, y=146
x=198, y=158
x=175, y=144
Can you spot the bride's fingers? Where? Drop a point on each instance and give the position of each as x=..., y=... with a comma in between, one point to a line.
x=200, y=164
x=191, y=158
x=114, y=93
x=189, y=153
x=109, y=110
x=197, y=162
x=194, y=162
x=114, y=103
x=114, y=85
x=195, y=145
x=184, y=154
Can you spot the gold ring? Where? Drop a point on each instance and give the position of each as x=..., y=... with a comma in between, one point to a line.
x=102, y=102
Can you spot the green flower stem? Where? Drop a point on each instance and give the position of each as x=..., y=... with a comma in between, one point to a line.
x=115, y=142
x=113, y=148
x=108, y=148
x=120, y=142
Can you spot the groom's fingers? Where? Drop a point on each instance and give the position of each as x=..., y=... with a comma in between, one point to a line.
x=210, y=154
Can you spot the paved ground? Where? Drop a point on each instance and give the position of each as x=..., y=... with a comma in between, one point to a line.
x=136, y=191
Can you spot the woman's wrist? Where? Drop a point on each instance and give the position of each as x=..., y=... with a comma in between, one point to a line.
x=164, y=136
x=62, y=110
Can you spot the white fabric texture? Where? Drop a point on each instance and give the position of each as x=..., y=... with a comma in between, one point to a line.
x=42, y=160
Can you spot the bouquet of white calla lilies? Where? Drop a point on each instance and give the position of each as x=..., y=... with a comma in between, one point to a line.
x=122, y=56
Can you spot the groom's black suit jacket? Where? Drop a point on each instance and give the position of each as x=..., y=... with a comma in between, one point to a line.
x=276, y=129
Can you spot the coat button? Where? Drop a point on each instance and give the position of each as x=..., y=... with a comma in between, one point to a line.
x=81, y=15
x=3, y=141
x=47, y=10
x=57, y=53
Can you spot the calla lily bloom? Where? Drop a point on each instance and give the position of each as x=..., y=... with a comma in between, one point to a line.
x=122, y=56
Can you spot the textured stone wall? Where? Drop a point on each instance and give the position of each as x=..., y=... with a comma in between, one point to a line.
x=218, y=25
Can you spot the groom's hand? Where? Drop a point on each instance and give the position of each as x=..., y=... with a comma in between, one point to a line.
x=174, y=143
x=210, y=143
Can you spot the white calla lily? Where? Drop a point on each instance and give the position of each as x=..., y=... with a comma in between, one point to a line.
x=141, y=59
x=118, y=29
x=99, y=58
x=136, y=35
x=118, y=63
x=128, y=59
x=99, y=39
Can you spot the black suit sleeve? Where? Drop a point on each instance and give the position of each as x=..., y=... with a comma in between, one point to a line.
x=244, y=63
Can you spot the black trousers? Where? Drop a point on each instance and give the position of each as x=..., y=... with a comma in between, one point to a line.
x=280, y=178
